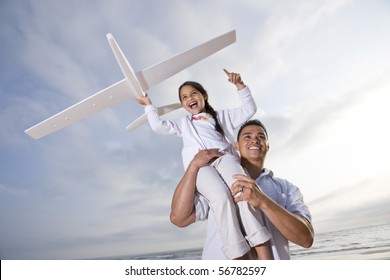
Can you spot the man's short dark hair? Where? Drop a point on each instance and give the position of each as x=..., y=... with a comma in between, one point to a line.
x=252, y=122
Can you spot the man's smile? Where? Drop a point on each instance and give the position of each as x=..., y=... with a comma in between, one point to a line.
x=254, y=148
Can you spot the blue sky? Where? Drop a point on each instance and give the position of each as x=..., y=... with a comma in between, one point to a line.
x=319, y=71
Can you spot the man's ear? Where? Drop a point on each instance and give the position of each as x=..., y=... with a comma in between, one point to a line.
x=236, y=146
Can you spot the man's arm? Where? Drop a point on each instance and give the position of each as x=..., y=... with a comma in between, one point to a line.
x=182, y=207
x=293, y=227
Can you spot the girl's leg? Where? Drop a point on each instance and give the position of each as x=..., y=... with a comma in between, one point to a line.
x=210, y=184
x=252, y=221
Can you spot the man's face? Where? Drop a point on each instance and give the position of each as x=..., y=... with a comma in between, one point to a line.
x=252, y=143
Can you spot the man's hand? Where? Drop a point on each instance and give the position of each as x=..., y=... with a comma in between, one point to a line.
x=292, y=226
x=204, y=157
x=249, y=190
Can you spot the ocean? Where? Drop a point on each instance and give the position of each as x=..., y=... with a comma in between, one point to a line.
x=365, y=243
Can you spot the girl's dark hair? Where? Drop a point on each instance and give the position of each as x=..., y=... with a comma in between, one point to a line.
x=208, y=108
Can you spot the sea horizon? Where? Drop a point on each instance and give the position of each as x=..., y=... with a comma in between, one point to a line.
x=369, y=242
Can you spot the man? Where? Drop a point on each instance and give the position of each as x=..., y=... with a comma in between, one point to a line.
x=286, y=215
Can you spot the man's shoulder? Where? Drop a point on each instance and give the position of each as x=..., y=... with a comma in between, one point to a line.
x=268, y=178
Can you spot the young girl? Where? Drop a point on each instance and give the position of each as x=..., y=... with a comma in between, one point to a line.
x=208, y=129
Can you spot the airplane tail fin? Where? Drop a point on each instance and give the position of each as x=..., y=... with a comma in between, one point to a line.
x=125, y=66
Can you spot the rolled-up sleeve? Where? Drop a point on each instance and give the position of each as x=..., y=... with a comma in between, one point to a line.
x=201, y=208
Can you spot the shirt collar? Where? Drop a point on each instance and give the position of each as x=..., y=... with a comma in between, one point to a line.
x=265, y=172
x=201, y=115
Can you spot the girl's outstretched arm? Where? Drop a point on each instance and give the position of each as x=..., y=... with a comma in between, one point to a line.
x=164, y=127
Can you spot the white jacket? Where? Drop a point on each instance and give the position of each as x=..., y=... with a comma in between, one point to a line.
x=229, y=119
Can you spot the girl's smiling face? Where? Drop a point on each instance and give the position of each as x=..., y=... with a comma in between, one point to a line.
x=192, y=99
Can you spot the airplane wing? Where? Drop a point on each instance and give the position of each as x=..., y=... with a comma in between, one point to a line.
x=164, y=70
x=133, y=84
x=115, y=94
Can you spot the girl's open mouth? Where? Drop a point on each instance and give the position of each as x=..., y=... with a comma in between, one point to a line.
x=192, y=105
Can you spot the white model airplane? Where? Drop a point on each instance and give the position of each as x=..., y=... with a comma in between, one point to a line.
x=133, y=84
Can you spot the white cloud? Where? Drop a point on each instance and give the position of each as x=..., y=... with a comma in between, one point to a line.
x=283, y=26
